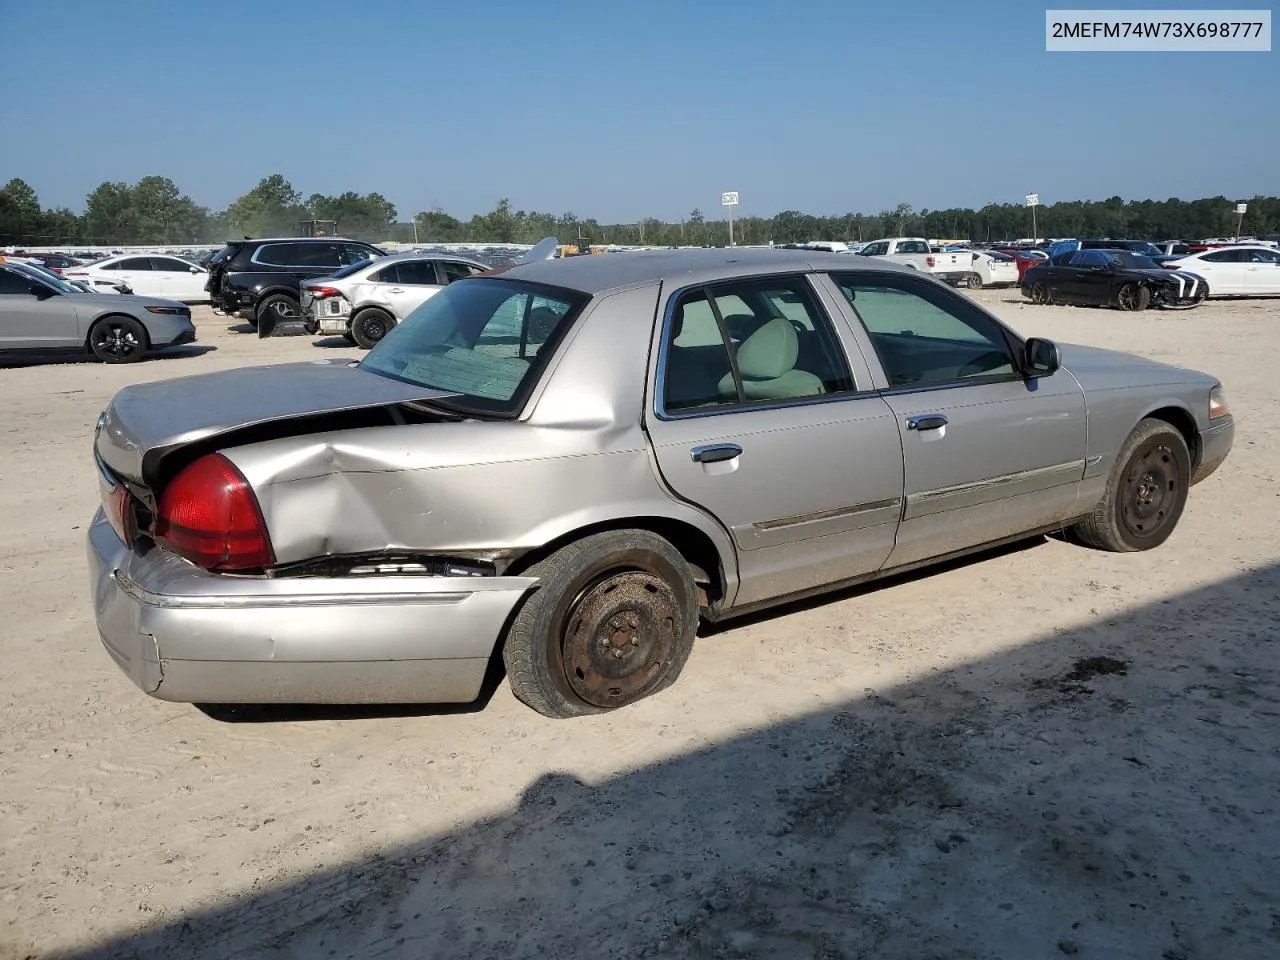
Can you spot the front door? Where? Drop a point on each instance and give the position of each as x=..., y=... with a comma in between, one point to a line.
x=1224, y=270
x=759, y=418
x=179, y=280
x=1262, y=272
x=47, y=319
x=987, y=453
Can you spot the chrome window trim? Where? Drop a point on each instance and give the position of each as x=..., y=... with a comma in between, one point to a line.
x=660, y=376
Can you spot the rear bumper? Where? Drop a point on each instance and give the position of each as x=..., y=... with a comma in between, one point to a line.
x=1215, y=444
x=193, y=637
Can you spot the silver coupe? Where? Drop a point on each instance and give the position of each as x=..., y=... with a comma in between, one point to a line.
x=573, y=462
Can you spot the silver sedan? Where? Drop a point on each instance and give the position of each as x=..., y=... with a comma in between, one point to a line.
x=574, y=462
x=40, y=311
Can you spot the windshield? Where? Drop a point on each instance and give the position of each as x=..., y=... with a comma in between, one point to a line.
x=484, y=339
x=1134, y=261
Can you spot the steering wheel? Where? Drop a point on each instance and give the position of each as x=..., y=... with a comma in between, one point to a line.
x=982, y=363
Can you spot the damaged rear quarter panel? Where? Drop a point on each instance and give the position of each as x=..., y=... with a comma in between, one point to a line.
x=475, y=488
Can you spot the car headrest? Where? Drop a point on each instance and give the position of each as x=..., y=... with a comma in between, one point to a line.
x=542, y=323
x=769, y=352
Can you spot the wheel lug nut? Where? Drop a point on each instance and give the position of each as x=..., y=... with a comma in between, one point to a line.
x=635, y=641
x=633, y=620
x=617, y=654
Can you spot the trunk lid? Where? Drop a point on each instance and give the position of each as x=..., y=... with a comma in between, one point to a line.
x=146, y=422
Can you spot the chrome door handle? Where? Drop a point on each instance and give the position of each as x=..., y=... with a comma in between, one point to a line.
x=715, y=452
x=928, y=421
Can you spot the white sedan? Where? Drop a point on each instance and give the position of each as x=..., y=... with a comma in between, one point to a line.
x=1243, y=271
x=993, y=269
x=149, y=276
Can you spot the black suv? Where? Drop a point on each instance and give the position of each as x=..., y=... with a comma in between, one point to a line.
x=260, y=279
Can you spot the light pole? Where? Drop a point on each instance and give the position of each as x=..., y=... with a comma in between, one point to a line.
x=1240, y=212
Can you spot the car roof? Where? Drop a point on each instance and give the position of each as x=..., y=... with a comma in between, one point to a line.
x=242, y=241
x=398, y=257
x=599, y=273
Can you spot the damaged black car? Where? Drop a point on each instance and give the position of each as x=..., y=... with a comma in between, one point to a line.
x=1112, y=278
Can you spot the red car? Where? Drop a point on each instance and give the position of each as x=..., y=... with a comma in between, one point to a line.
x=1026, y=258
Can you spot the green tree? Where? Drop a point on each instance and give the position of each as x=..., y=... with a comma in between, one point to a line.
x=21, y=219
x=272, y=207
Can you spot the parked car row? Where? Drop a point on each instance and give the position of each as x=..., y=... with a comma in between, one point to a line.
x=972, y=268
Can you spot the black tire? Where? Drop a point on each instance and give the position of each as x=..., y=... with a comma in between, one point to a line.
x=274, y=310
x=1145, y=494
x=1041, y=294
x=118, y=339
x=370, y=325
x=1133, y=297
x=975, y=281
x=611, y=621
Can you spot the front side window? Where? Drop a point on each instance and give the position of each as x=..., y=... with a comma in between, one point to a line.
x=486, y=341
x=355, y=253
x=418, y=273
x=322, y=255
x=924, y=335
x=749, y=341
x=1264, y=256
x=12, y=284
x=169, y=265
x=458, y=271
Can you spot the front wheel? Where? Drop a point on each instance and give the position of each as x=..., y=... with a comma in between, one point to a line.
x=610, y=622
x=371, y=325
x=1133, y=297
x=118, y=340
x=1145, y=493
x=1040, y=293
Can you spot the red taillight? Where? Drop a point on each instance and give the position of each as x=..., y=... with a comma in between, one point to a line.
x=930, y=261
x=209, y=515
x=321, y=293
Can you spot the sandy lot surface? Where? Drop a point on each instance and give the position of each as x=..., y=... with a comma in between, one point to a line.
x=920, y=770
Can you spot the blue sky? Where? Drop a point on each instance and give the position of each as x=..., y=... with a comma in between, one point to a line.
x=621, y=110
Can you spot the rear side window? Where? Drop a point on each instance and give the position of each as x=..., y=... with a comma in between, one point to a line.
x=388, y=274
x=278, y=254
x=357, y=253
x=750, y=341
x=458, y=271
x=135, y=263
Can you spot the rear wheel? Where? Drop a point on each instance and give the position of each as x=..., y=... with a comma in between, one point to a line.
x=975, y=281
x=118, y=340
x=1133, y=296
x=274, y=310
x=1145, y=493
x=371, y=325
x=611, y=621
x=1040, y=293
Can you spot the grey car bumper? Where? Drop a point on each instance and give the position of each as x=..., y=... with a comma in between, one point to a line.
x=185, y=635
x=1215, y=444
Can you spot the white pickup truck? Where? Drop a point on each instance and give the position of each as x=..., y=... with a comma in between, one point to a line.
x=914, y=252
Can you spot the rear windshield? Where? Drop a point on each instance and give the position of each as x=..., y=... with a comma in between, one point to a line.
x=484, y=339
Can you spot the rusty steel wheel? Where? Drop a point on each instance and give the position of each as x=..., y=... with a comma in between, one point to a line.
x=611, y=622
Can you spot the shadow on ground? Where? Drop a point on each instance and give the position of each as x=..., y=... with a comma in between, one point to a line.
x=34, y=358
x=1107, y=791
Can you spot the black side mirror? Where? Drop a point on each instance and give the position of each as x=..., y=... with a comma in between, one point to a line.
x=1041, y=357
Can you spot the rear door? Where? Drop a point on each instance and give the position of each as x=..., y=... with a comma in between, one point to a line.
x=1087, y=278
x=414, y=282
x=760, y=416
x=1262, y=272
x=987, y=453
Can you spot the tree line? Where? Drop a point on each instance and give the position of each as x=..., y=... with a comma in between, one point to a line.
x=154, y=211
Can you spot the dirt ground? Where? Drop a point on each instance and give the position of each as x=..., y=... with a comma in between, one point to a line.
x=1039, y=753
